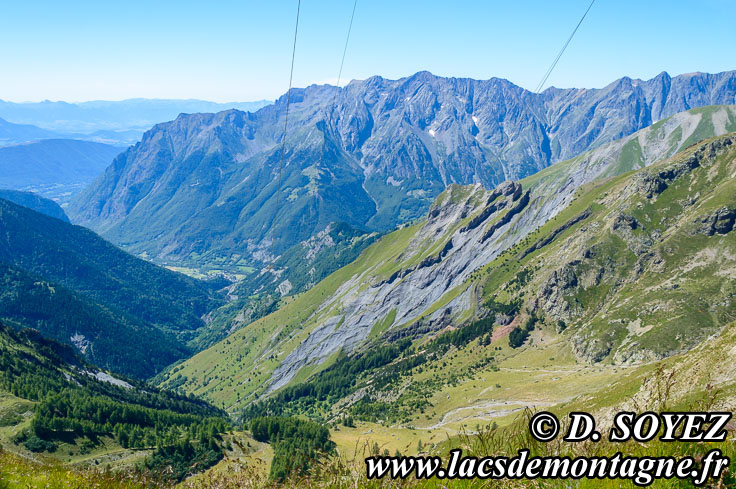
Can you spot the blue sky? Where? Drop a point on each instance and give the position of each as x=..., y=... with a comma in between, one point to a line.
x=240, y=50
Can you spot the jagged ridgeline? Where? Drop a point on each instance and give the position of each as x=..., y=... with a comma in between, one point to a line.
x=120, y=312
x=201, y=190
x=638, y=268
x=80, y=408
x=646, y=270
x=583, y=250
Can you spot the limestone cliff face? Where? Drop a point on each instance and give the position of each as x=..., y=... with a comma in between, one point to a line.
x=632, y=279
x=440, y=257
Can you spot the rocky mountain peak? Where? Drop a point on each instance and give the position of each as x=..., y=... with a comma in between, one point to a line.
x=207, y=183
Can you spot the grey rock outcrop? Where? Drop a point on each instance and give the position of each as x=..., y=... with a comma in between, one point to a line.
x=409, y=292
x=720, y=222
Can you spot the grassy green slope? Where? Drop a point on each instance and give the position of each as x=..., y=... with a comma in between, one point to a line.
x=661, y=140
x=432, y=390
x=593, y=299
x=296, y=270
x=646, y=275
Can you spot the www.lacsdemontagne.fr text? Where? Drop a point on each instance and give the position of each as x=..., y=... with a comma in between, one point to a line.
x=642, y=471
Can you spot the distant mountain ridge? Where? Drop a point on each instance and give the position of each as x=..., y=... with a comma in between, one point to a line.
x=11, y=133
x=204, y=185
x=123, y=121
x=54, y=168
x=616, y=259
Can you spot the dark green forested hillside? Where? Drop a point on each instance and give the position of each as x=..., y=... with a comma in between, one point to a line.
x=35, y=202
x=77, y=404
x=297, y=444
x=119, y=311
x=111, y=339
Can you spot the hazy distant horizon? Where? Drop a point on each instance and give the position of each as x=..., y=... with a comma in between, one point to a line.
x=131, y=99
x=226, y=51
x=127, y=119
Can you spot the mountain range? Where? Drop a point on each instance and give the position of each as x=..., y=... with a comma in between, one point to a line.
x=204, y=186
x=11, y=133
x=444, y=253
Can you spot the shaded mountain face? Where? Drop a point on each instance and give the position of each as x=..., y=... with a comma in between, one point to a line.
x=35, y=366
x=54, y=168
x=461, y=261
x=35, y=202
x=119, y=311
x=205, y=185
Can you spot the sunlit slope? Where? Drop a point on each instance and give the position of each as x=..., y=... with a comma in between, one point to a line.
x=574, y=308
x=240, y=366
x=374, y=154
x=421, y=279
x=646, y=269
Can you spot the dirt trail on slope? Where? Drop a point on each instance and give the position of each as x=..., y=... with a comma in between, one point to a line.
x=485, y=411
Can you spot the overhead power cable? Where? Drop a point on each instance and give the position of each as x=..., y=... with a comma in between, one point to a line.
x=283, y=139
x=544, y=79
x=286, y=117
x=564, y=47
x=342, y=61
